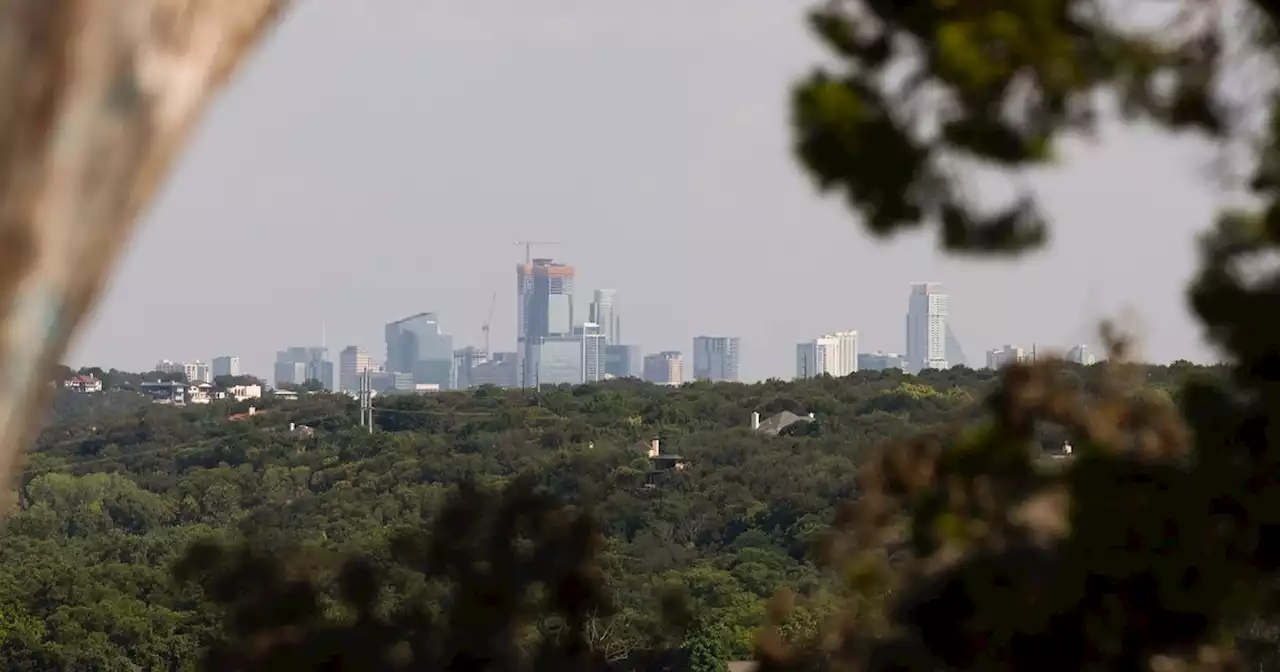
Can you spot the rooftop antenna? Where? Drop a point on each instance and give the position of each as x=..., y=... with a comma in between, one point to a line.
x=323, y=338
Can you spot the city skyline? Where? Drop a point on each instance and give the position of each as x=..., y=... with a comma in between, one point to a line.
x=311, y=224
x=420, y=355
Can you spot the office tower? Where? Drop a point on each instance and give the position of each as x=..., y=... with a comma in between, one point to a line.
x=554, y=360
x=297, y=365
x=926, y=327
x=664, y=368
x=544, y=308
x=1006, y=355
x=593, y=344
x=226, y=366
x=715, y=358
x=1081, y=354
x=390, y=381
x=622, y=361
x=604, y=312
x=881, y=361
x=830, y=354
x=353, y=361
x=417, y=346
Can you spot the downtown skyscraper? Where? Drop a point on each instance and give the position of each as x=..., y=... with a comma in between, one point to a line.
x=544, y=310
x=927, y=327
x=604, y=312
x=715, y=358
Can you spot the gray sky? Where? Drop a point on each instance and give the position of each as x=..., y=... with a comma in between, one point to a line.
x=377, y=159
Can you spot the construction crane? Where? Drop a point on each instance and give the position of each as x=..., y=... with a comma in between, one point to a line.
x=528, y=247
x=485, y=328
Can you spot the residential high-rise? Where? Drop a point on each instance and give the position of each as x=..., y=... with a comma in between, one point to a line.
x=296, y=365
x=544, y=308
x=416, y=345
x=226, y=366
x=196, y=371
x=604, y=312
x=664, y=368
x=353, y=361
x=622, y=361
x=1006, y=355
x=593, y=345
x=715, y=358
x=833, y=355
x=926, y=327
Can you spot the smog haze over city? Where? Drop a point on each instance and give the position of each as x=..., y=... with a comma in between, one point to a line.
x=378, y=159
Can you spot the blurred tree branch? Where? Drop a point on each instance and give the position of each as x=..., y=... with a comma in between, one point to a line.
x=99, y=96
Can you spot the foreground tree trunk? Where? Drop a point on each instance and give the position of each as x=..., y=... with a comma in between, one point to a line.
x=98, y=96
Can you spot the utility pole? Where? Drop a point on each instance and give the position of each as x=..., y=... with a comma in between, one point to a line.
x=488, y=354
x=366, y=400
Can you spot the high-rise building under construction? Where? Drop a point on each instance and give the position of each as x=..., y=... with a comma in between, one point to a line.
x=544, y=309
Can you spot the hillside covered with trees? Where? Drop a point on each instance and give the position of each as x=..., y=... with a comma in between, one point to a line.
x=118, y=490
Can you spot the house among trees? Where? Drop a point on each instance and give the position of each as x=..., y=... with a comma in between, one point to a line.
x=83, y=384
x=178, y=393
x=660, y=464
x=774, y=424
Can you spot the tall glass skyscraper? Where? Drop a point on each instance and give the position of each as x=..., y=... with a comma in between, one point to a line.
x=604, y=312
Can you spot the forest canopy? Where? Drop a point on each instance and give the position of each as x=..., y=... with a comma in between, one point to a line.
x=119, y=490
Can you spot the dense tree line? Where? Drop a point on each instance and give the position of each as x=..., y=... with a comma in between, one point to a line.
x=118, y=489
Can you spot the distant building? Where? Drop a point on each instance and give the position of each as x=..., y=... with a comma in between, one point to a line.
x=623, y=361
x=1006, y=355
x=592, y=336
x=501, y=370
x=391, y=381
x=226, y=366
x=833, y=355
x=296, y=365
x=465, y=361
x=555, y=360
x=416, y=345
x=927, y=316
x=881, y=361
x=353, y=361
x=664, y=368
x=194, y=371
x=955, y=353
x=1082, y=355
x=604, y=312
x=83, y=384
x=715, y=358
x=544, y=309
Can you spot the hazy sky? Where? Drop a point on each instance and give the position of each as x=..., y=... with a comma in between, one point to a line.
x=377, y=159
